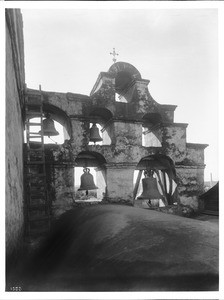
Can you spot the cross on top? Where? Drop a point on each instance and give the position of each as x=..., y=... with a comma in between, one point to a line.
x=114, y=55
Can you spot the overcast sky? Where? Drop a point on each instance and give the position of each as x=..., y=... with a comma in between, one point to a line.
x=177, y=50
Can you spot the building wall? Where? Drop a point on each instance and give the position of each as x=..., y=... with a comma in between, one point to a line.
x=63, y=185
x=14, y=134
x=190, y=185
x=195, y=154
x=123, y=123
x=120, y=184
x=174, y=141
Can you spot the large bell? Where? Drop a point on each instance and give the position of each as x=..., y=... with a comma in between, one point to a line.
x=87, y=182
x=150, y=189
x=94, y=134
x=48, y=127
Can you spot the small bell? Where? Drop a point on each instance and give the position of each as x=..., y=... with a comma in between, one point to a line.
x=150, y=189
x=87, y=182
x=48, y=127
x=94, y=134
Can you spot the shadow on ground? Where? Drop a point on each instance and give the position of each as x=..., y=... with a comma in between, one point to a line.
x=122, y=248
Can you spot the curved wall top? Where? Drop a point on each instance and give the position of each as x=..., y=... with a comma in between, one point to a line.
x=124, y=67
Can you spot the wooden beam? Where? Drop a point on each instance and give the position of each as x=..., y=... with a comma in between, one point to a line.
x=164, y=181
x=162, y=188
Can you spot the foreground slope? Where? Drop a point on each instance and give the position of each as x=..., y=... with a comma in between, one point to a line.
x=122, y=248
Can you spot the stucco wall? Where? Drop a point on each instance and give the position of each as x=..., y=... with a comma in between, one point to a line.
x=63, y=185
x=120, y=184
x=123, y=123
x=14, y=141
x=174, y=141
x=195, y=154
x=128, y=133
x=190, y=184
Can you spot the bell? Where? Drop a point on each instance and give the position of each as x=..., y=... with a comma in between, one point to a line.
x=150, y=189
x=94, y=134
x=87, y=182
x=48, y=127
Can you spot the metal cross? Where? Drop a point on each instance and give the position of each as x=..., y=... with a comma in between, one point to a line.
x=114, y=55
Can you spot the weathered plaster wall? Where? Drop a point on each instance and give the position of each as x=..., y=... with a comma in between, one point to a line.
x=120, y=184
x=14, y=135
x=80, y=133
x=174, y=141
x=128, y=133
x=63, y=186
x=105, y=96
x=123, y=123
x=168, y=112
x=195, y=154
x=190, y=184
x=64, y=102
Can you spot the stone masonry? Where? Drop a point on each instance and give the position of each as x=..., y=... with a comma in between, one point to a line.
x=121, y=103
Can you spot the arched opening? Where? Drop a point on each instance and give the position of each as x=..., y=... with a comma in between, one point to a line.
x=159, y=189
x=149, y=139
x=90, y=177
x=124, y=81
x=60, y=123
x=101, y=117
x=125, y=76
x=97, y=132
x=59, y=116
x=151, y=135
x=35, y=132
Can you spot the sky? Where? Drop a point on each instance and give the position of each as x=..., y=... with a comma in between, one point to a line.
x=176, y=49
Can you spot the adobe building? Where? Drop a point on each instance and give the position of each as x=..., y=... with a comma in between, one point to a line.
x=138, y=135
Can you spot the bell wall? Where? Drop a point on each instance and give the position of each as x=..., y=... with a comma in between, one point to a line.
x=124, y=123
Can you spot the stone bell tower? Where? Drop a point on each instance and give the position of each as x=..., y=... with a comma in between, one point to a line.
x=138, y=133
